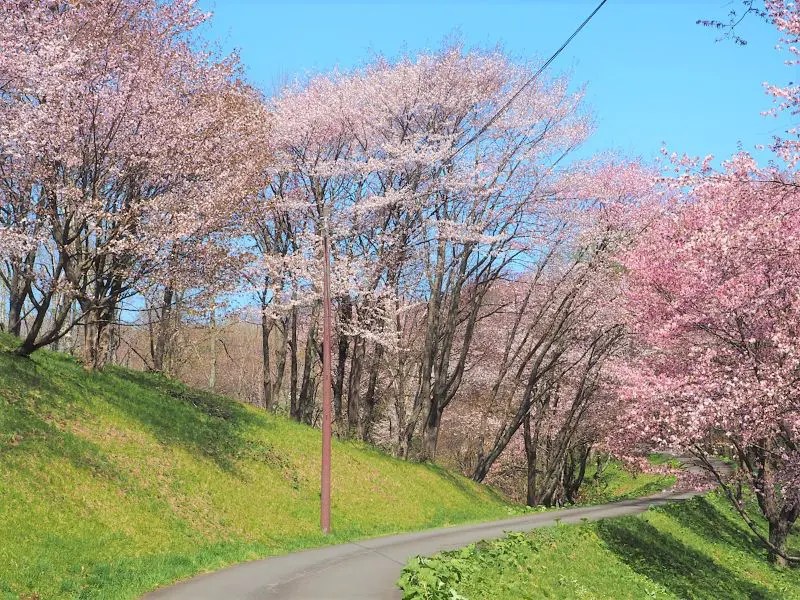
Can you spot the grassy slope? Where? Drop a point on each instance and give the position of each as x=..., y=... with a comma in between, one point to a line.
x=114, y=483
x=697, y=549
x=617, y=483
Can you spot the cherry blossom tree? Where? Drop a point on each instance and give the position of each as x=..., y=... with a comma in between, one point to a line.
x=562, y=317
x=426, y=210
x=712, y=293
x=122, y=152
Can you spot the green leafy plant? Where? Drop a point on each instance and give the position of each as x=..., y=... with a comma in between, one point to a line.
x=695, y=549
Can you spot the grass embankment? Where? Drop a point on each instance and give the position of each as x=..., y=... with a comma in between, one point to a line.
x=114, y=483
x=695, y=549
x=615, y=482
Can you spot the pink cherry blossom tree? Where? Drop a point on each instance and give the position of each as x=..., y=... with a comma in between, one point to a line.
x=712, y=293
x=559, y=326
x=122, y=152
x=785, y=15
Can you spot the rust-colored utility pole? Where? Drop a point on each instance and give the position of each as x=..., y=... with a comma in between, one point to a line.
x=325, y=496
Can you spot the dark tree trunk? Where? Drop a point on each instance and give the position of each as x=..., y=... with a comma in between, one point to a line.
x=343, y=344
x=354, y=388
x=280, y=360
x=781, y=513
x=294, y=408
x=779, y=530
x=163, y=330
x=577, y=472
x=306, y=399
x=18, y=290
x=16, y=302
x=531, y=493
x=485, y=462
x=369, y=411
x=35, y=338
x=96, y=337
x=430, y=431
x=266, y=368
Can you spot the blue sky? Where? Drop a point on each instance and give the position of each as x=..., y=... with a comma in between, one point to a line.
x=652, y=74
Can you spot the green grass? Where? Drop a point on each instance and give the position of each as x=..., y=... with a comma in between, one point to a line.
x=696, y=549
x=615, y=482
x=114, y=483
x=657, y=458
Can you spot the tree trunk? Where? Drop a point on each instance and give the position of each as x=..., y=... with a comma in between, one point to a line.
x=343, y=344
x=158, y=347
x=112, y=343
x=485, y=462
x=369, y=410
x=15, y=303
x=19, y=288
x=266, y=369
x=280, y=360
x=354, y=388
x=294, y=408
x=430, y=431
x=577, y=472
x=306, y=400
x=778, y=533
x=96, y=337
x=531, y=493
x=212, y=375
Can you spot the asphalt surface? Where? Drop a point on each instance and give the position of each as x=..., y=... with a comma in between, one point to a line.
x=370, y=568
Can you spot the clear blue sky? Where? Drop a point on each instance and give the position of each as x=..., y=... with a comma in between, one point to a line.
x=653, y=75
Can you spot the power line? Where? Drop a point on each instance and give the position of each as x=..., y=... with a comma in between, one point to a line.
x=527, y=83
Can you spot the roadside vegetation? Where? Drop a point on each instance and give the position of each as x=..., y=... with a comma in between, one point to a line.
x=694, y=549
x=113, y=483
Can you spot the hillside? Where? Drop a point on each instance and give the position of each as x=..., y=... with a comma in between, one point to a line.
x=695, y=549
x=114, y=483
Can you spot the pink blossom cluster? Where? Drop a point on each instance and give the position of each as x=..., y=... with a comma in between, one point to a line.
x=382, y=159
x=713, y=304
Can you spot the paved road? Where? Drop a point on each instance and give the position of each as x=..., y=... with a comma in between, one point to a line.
x=369, y=568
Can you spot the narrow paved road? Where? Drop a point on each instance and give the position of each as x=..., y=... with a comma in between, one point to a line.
x=369, y=568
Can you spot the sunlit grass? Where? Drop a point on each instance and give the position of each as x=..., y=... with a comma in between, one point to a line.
x=114, y=483
x=616, y=482
x=696, y=549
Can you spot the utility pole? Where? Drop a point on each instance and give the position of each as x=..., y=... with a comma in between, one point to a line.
x=325, y=495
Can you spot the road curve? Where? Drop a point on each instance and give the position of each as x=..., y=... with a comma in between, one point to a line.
x=369, y=568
